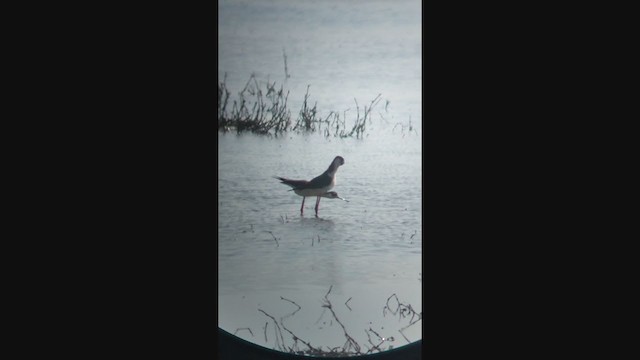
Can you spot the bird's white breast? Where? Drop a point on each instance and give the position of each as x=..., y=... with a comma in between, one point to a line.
x=313, y=192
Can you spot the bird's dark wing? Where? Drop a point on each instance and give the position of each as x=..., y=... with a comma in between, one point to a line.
x=296, y=184
x=320, y=181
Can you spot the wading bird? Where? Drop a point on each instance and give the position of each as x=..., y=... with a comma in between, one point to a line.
x=318, y=186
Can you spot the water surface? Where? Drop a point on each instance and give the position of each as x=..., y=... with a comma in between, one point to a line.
x=364, y=250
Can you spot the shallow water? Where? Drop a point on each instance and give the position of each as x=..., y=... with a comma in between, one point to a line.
x=344, y=50
x=364, y=250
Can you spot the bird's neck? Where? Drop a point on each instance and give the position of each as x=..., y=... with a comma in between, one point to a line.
x=333, y=168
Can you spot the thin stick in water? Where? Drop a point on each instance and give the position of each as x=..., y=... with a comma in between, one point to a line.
x=243, y=329
x=274, y=238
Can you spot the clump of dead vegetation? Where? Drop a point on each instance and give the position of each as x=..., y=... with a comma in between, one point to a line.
x=263, y=110
x=256, y=110
x=290, y=342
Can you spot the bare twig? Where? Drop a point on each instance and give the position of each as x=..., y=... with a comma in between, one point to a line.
x=350, y=343
x=345, y=303
x=374, y=346
x=330, y=287
x=286, y=71
x=320, y=318
x=296, y=338
x=277, y=331
x=265, y=331
x=403, y=311
x=291, y=301
x=243, y=329
x=274, y=238
x=401, y=333
x=293, y=313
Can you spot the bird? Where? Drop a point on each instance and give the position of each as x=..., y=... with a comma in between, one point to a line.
x=318, y=186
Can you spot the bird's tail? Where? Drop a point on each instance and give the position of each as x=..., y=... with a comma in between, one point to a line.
x=283, y=180
x=293, y=183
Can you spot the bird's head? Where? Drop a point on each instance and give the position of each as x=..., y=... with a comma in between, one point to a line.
x=333, y=195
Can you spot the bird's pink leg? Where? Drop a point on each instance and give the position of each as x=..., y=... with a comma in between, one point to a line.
x=317, y=205
x=302, y=207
